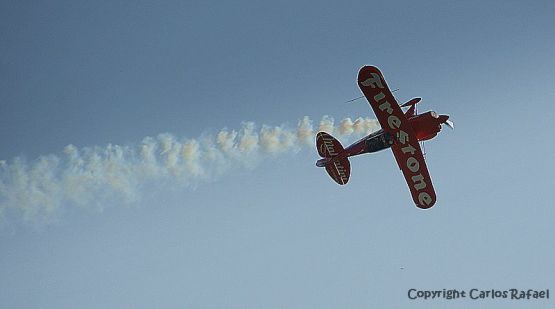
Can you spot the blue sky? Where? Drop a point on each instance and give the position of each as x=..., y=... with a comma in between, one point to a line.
x=280, y=233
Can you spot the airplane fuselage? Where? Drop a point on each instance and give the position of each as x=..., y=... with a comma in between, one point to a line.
x=425, y=126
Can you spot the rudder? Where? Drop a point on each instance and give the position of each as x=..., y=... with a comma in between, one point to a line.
x=327, y=145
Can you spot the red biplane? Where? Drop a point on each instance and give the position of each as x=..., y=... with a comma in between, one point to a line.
x=400, y=131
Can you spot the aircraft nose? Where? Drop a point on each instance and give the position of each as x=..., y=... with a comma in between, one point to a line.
x=444, y=119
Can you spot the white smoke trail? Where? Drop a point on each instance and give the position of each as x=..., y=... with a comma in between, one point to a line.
x=88, y=177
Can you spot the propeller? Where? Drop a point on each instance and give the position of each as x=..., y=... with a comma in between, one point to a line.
x=444, y=119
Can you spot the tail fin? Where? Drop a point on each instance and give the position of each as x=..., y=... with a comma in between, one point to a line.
x=328, y=147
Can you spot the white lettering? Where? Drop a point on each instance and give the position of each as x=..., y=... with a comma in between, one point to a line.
x=378, y=97
x=394, y=122
x=419, y=183
x=373, y=81
x=387, y=107
x=402, y=136
x=329, y=146
x=413, y=164
x=408, y=148
x=341, y=171
x=424, y=198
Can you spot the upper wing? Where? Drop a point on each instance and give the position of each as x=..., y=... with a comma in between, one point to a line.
x=406, y=148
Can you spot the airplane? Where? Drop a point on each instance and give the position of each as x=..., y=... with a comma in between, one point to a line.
x=400, y=131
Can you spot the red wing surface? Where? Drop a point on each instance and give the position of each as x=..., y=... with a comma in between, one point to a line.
x=406, y=148
x=339, y=170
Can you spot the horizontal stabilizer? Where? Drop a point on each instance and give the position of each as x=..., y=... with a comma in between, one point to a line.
x=339, y=170
x=412, y=110
x=412, y=102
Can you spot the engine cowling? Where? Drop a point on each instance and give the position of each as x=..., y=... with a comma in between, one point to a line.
x=427, y=125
